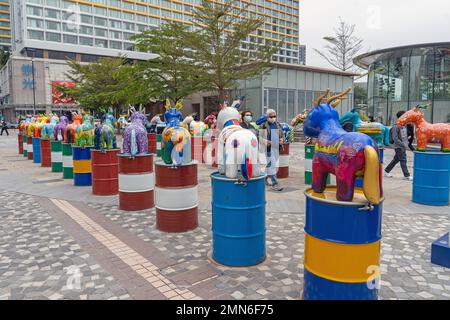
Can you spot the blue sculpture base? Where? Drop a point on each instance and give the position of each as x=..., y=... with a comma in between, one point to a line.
x=440, y=252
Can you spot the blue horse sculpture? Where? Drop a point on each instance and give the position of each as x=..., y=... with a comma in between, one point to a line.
x=347, y=155
x=105, y=135
x=376, y=130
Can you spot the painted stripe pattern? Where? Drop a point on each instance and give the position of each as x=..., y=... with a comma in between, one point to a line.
x=176, y=199
x=133, y=183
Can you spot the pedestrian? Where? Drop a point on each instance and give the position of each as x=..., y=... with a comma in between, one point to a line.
x=271, y=139
x=246, y=123
x=399, y=138
x=410, y=131
x=4, y=127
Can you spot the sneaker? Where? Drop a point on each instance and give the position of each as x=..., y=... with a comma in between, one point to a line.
x=408, y=178
x=267, y=182
x=277, y=188
x=388, y=175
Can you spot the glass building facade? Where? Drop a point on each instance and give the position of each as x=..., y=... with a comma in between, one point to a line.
x=402, y=78
x=5, y=25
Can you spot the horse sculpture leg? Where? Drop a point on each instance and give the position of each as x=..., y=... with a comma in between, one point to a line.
x=319, y=176
x=345, y=178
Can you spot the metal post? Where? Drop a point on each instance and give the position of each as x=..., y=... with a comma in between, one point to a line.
x=34, y=86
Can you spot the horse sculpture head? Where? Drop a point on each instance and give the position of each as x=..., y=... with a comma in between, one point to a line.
x=415, y=115
x=229, y=116
x=323, y=114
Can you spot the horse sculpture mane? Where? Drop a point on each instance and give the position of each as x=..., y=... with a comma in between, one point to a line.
x=426, y=132
x=346, y=155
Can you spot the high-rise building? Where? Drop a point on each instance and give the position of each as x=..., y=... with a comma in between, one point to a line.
x=302, y=55
x=71, y=28
x=5, y=25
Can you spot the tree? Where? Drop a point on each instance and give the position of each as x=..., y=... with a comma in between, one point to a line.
x=102, y=84
x=172, y=75
x=343, y=47
x=215, y=41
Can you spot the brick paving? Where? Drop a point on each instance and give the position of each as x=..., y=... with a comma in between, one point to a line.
x=54, y=237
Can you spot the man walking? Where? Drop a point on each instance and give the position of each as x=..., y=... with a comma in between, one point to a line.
x=4, y=127
x=271, y=139
x=400, y=141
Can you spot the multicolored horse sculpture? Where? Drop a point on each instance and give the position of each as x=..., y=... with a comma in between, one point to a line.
x=377, y=131
x=35, y=127
x=288, y=132
x=84, y=135
x=237, y=147
x=105, y=135
x=122, y=123
x=70, y=130
x=176, y=140
x=47, y=130
x=427, y=132
x=211, y=120
x=346, y=155
x=58, y=132
x=24, y=123
x=135, y=140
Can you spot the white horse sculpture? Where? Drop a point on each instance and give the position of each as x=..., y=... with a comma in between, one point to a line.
x=237, y=147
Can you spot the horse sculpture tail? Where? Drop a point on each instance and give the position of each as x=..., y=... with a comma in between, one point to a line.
x=133, y=143
x=372, y=182
x=247, y=168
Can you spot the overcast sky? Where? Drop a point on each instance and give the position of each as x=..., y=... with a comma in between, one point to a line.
x=381, y=23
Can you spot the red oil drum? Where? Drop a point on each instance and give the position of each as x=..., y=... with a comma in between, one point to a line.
x=214, y=152
x=46, y=153
x=283, y=168
x=197, y=149
x=29, y=148
x=20, y=141
x=105, y=172
x=176, y=197
x=136, y=182
x=152, y=143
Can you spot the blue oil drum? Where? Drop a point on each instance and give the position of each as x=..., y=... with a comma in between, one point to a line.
x=359, y=181
x=342, y=247
x=82, y=166
x=238, y=221
x=431, y=184
x=36, y=150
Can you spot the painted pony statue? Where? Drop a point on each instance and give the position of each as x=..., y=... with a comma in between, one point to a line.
x=58, y=132
x=211, y=120
x=35, y=129
x=23, y=124
x=70, y=130
x=84, y=135
x=288, y=133
x=105, y=134
x=377, y=131
x=47, y=130
x=122, y=123
x=237, y=153
x=176, y=140
x=426, y=132
x=347, y=155
x=135, y=140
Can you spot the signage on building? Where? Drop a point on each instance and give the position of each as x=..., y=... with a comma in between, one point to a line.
x=58, y=96
x=27, y=73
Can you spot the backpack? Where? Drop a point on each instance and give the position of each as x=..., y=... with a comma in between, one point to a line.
x=391, y=136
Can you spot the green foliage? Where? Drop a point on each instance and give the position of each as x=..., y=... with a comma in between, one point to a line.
x=172, y=75
x=219, y=29
x=102, y=84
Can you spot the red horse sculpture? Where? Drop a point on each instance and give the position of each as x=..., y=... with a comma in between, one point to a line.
x=426, y=132
x=69, y=132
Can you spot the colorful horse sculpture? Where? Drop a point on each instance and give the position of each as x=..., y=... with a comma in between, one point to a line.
x=47, y=130
x=211, y=120
x=299, y=119
x=58, y=132
x=176, y=140
x=105, y=135
x=237, y=147
x=122, y=123
x=346, y=155
x=84, y=135
x=135, y=140
x=70, y=130
x=288, y=132
x=35, y=128
x=377, y=131
x=426, y=132
x=24, y=123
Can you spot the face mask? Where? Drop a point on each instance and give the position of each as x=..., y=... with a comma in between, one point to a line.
x=248, y=118
x=272, y=120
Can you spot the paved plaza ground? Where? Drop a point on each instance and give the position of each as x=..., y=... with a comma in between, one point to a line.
x=58, y=241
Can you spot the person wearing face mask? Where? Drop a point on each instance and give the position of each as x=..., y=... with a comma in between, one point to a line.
x=271, y=138
x=246, y=123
